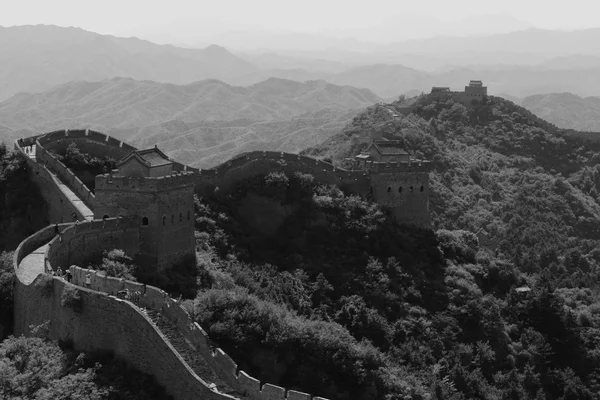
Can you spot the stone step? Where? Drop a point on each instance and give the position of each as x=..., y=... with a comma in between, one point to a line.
x=189, y=354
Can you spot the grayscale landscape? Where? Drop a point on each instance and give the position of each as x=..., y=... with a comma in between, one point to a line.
x=310, y=201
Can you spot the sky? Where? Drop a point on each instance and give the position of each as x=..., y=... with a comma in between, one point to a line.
x=366, y=20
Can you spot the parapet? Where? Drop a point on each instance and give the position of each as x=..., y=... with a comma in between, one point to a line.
x=411, y=166
x=84, y=134
x=145, y=184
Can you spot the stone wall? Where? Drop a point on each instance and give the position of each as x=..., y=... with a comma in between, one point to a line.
x=407, y=194
x=407, y=207
x=65, y=175
x=88, y=141
x=248, y=165
x=86, y=241
x=60, y=207
x=108, y=323
x=158, y=300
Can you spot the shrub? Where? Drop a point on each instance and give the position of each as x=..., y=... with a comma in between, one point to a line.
x=116, y=263
x=7, y=279
x=71, y=297
x=45, y=283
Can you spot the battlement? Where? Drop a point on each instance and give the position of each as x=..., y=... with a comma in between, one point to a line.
x=145, y=184
x=411, y=166
x=84, y=134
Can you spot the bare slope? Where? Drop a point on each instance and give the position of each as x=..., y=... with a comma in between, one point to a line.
x=200, y=124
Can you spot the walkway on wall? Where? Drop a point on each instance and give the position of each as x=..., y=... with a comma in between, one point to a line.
x=189, y=354
x=32, y=265
x=73, y=198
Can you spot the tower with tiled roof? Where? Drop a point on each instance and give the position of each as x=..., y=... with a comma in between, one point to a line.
x=146, y=185
x=398, y=180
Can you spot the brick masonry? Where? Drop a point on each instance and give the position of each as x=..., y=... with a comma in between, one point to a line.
x=108, y=323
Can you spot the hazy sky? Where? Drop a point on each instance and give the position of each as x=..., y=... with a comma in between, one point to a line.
x=188, y=17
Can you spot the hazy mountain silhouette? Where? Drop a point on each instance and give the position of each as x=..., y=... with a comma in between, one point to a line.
x=566, y=110
x=34, y=58
x=200, y=123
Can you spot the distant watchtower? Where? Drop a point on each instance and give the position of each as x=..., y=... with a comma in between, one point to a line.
x=475, y=91
x=146, y=186
x=398, y=181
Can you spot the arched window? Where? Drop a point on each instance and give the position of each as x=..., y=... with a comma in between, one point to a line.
x=389, y=189
x=188, y=215
x=180, y=217
x=105, y=216
x=164, y=219
x=422, y=188
x=411, y=188
x=145, y=221
x=399, y=189
x=172, y=218
x=371, y=190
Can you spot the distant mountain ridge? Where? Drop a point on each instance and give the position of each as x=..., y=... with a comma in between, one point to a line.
x=37, y=58
x=200, y=124
x=566, y=110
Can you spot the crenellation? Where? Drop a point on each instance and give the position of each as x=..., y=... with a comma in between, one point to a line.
x=294, y=395
x=225, y=363
x=272, y=392
x=249, y=385
x=159, y=212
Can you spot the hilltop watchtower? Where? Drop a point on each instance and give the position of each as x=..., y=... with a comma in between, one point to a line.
x=145, y=185
x=398, y=181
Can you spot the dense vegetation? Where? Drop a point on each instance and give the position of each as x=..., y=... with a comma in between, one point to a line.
x=34, y=368
x=530, y=191
x=85, y=166
x=22, y=208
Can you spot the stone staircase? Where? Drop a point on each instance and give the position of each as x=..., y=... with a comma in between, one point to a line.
x=195, y=360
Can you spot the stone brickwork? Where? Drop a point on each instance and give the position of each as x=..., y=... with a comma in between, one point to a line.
x=164, y=207
x=157, y=300
x=61, y=208
x=374, y=180
x=65, y=175
x=86, y=241
x=158, y=221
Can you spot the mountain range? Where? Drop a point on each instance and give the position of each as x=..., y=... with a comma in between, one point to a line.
x=37, y=58
x=200, y=124
x=566, y=110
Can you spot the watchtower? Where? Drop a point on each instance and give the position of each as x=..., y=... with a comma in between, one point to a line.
x=398, y=181
x=145, y=185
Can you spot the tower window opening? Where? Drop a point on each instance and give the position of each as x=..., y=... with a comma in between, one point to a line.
x=105, y=216
x=188, y=215
x=389, y=189
x=145, y=221
x=172, y=218
x=164, y=219
x=422, y=188
x=399, y=189
x=180, y=217
x=411, y=189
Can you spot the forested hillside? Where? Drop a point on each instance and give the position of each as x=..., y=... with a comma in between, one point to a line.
x=456, y=327
x=566, y=110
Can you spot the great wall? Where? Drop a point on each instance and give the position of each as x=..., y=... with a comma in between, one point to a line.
x=157, y=335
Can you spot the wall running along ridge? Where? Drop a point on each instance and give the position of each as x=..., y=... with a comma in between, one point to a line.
x=108, y=323
x=60, y=207
x=105, y=322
